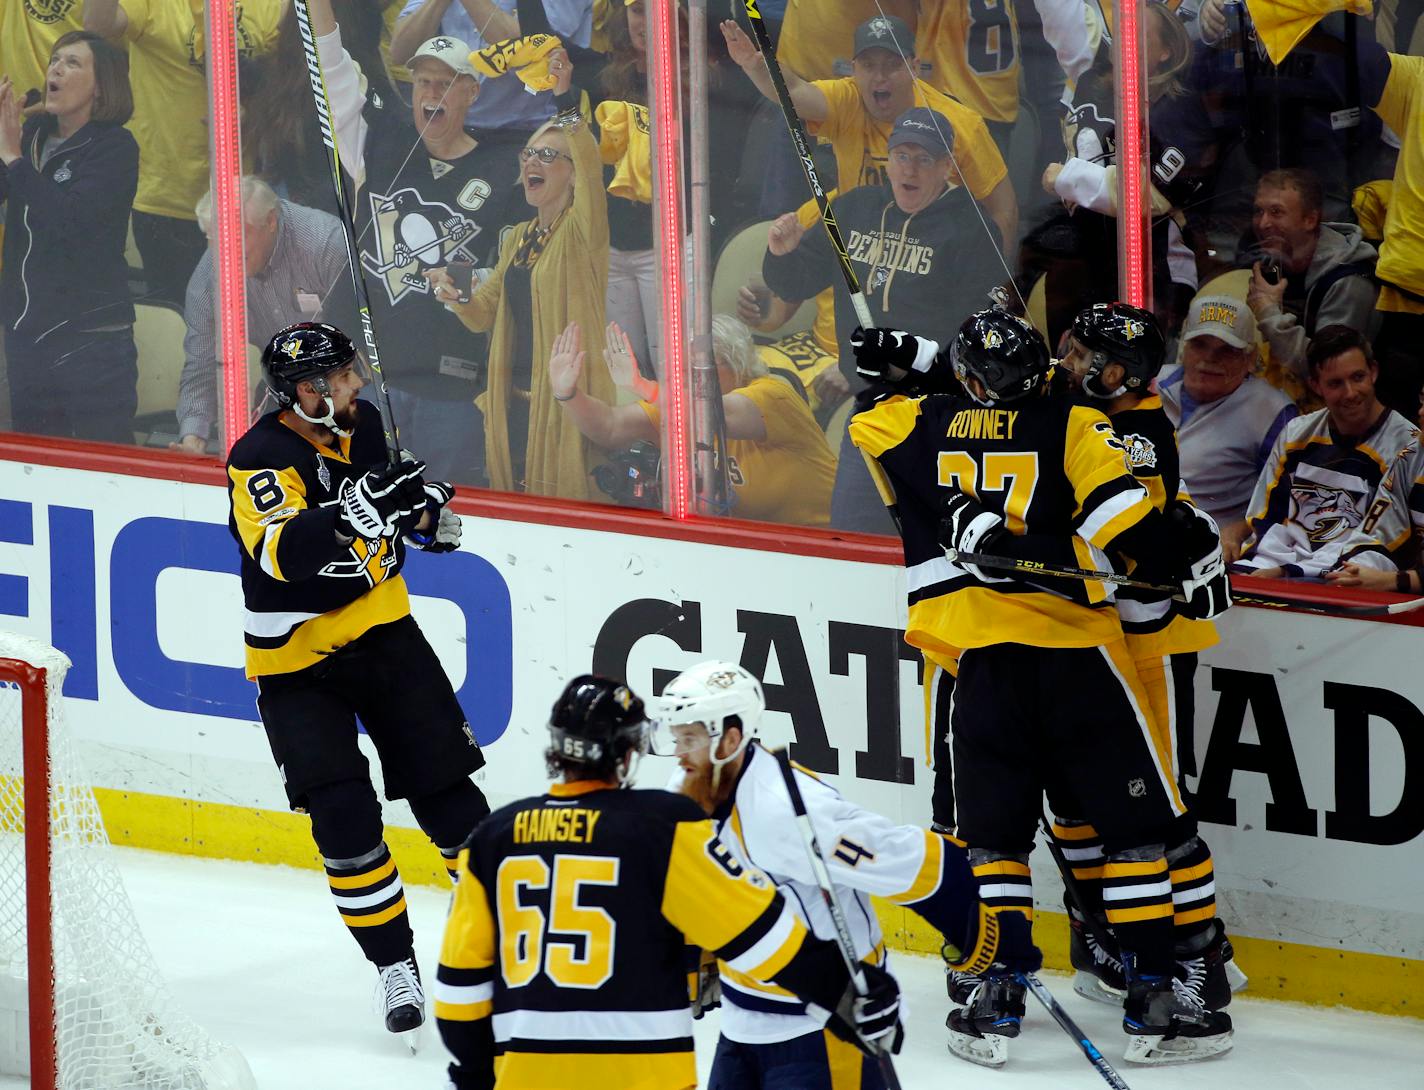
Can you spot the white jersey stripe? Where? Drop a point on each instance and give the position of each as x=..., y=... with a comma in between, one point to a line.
x=757, y=954
x=593, y=1025
x=366, y=900
x=462, y=995
x=1133, y=893
x=1108, y=510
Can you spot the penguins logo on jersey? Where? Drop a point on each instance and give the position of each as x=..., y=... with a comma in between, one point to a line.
x=411, y=236
x=1323, y=512
x=1141, y=451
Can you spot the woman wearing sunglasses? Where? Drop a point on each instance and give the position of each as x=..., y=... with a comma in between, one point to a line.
x=552, y=270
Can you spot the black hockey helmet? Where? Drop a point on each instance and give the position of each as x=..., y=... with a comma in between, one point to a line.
x=1122, y=334
x=304, y=352
x=594, y=723
x=1003, y=352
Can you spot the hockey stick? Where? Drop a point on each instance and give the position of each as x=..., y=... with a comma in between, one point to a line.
x=1249, y=598
x=348, y=227
x=1070, y=1027
x=828, y=893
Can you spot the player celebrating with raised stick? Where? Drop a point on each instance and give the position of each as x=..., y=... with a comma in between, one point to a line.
x=323, y=522
x=1005, y=461
x=708, y=717
x=564, y=955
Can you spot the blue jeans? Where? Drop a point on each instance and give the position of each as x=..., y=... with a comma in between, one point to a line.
x=802, y=1063
x=448, y=436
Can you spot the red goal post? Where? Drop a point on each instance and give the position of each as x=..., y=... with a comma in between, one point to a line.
x=82, y=1003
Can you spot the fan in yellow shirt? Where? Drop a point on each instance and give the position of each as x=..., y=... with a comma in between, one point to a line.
x=855, y=115
x=817, y=33
x=166, y=42
x=780, y=468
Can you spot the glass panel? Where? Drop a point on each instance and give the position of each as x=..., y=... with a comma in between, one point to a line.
x=1278, y=172
x=924, y=225
x=100, y=248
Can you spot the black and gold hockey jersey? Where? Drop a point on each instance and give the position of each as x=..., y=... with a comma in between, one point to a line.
x=1153, y=623
x=305, y=593
x=564, y=959
x=1047, y=467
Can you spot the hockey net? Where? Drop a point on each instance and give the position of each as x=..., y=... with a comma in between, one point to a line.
x=114, y=1024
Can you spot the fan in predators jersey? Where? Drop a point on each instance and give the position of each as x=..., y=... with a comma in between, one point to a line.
x=1007, y=462
x=708, y=717
x=323, y=522
x=564, y=962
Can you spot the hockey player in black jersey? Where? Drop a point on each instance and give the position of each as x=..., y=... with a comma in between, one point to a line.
x=1114, y=353
x=564, y=962
x=323, y=523
x=978, y=474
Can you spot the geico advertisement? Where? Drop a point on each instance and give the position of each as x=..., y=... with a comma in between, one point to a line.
x=1310, y=740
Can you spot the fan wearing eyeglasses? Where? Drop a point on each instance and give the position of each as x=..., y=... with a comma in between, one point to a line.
x=552, y=270
x=427, y=193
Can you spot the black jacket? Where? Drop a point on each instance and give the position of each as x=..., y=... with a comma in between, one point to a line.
x=924, y=272
x=66, y=226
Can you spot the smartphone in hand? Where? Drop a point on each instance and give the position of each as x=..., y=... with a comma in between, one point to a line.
x=461, y=275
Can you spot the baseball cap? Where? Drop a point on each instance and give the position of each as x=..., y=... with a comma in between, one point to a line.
x=884, y=32
x=1222, y=316
x=927, y=128
x=448, y=51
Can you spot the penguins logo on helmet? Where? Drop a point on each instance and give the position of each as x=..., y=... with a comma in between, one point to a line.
x=1131, y=330
x=993, y=339
x=293, y=348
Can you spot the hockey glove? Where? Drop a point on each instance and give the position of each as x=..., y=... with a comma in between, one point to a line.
x=706, y=985
x=443, y=537
x=376, y=504
x=1205, y=585
x=871, y=1022
x=967, y=526
x=888, y=355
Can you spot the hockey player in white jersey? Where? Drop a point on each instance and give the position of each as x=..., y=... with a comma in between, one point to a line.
x=707, y=716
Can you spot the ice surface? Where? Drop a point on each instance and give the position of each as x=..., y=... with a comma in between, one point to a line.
x=257, y=955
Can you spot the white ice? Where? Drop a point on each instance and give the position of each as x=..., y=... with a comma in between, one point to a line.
x=257, y=955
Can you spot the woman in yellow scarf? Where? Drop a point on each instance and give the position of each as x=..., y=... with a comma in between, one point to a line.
x=552, y=270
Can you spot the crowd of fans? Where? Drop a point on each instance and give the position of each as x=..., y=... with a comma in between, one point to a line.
x=499, y=163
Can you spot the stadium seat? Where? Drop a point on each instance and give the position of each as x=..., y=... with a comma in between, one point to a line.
x=739, y=262
x=158, y=335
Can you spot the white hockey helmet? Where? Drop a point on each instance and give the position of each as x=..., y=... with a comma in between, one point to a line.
x=708, y=693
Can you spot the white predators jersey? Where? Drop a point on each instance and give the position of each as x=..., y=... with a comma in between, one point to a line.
x=866, y=854
x=1320, y=502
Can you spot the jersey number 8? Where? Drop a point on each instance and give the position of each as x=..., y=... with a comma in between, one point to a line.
x=265, y=491
x=989, y=39
x=532, y=938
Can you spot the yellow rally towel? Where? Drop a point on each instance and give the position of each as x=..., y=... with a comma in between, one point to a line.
x=625, y=139
x=526, y=57
x=1281, y=24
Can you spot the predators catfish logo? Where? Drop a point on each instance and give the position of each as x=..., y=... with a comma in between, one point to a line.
x=411, y=236
x=1326, y=514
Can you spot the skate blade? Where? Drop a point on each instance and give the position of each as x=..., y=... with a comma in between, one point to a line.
x=1235, y=977
x=412, y=1038
x=1091, y=987
x=991, y=1050
x=1157, y=1051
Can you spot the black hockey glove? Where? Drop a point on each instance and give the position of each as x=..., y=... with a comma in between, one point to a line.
x=443, y=533
x=1205, y=583
x=871, y=1022
x=967, y=526
x=379, y=503
x=881, y=354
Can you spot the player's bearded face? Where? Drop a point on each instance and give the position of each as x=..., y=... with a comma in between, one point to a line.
x=701, y=781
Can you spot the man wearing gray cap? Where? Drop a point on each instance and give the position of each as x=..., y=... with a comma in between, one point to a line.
x=443, y=205
x=923, y=260
x=1227, y=420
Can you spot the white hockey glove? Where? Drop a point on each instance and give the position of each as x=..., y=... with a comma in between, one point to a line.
x=444, y=537
x=707, y=988
x=967, y=526
x=871, y=1022
x=1206, y=585
x=379, y=503
x=878, y=351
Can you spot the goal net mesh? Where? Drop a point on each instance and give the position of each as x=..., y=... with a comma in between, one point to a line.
x=117, y=1024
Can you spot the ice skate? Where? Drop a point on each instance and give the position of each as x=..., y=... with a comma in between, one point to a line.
x=1167, y=1022
x=981, y=1031
x=1099, y=975
x=402, y=1000
x=960, y=986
